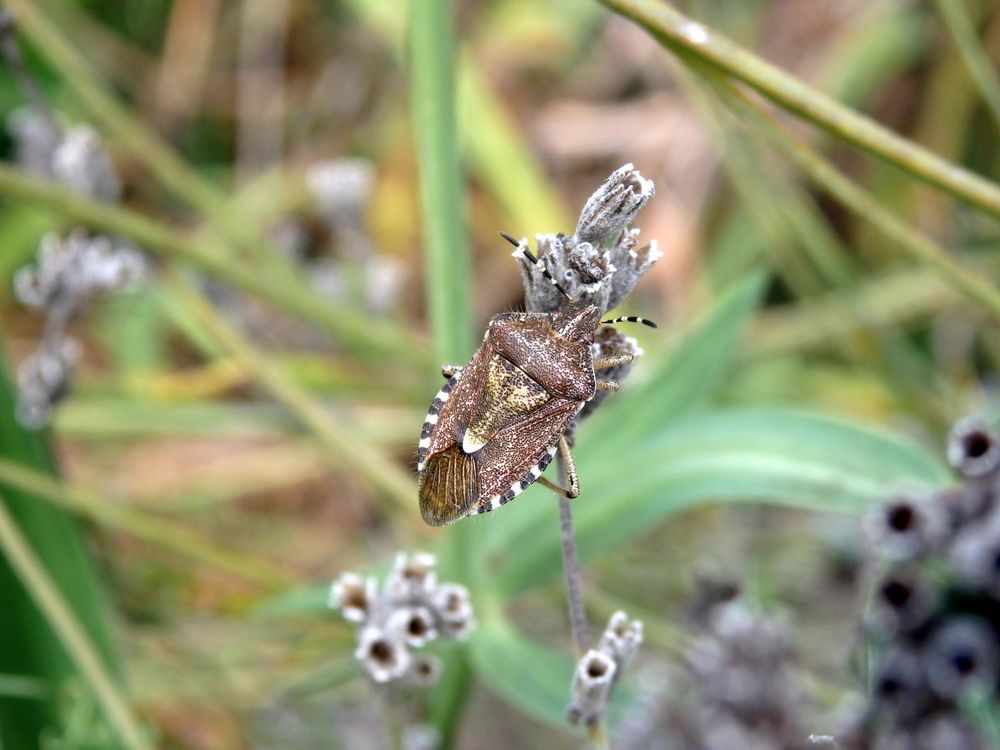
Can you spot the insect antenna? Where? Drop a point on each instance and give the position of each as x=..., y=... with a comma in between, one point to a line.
x=523, y=252
x=630, y=319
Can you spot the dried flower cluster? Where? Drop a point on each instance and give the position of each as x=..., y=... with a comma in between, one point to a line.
x=935, y=613
x=410, y=610
x=342, y=191
x=70, y=271
x=600, y=668
x=745, y=688
x=600, y=263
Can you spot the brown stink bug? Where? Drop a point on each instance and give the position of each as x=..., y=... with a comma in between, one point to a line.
x=497, y=423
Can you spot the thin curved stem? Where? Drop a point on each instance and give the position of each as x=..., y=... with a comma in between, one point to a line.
x=143, y=526
x=357, y=330
x=956, y=19
x=866, y=206
x=697, y=43
x=71, y=634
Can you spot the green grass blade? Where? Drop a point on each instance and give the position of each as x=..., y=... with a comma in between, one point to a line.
x=54, y=537
x=680, y=381
x=770, y=455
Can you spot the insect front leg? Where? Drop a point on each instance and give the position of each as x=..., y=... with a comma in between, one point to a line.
x=570, y=467
x=450, y=371
x=606, y=363
x=608, y=385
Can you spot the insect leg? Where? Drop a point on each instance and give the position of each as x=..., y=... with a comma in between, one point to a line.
x=450, y=371
x=571, y=475
x=605, y=363
x=608, y=385
x=569, y=465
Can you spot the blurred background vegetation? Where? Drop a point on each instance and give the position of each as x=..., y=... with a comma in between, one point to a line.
x=243, y=424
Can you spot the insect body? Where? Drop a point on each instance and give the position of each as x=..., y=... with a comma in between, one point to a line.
x=497, y=423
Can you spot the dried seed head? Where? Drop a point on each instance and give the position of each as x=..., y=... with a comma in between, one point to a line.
x=591, y=687
x=44, y=379
x=975, y=556
x=413, y=578
x=906, y=527
x=962, y=658
x=34, y=141
x=614, y=204
x=425, y=670
x=342, y=189
x=70, y=271
x=355, y=597
x=973, y=448
x=421, y=737
x=902, y=601
x=414, y=625
x=81, y=163
x=454, y=610
x=899, y=682
x=383, y=656
x=621, y=639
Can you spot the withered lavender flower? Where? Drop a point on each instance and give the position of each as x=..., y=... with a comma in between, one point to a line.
x=599, y=669
x=936, y=610
x=68, y=274
x=408, y=611
x=614, y=204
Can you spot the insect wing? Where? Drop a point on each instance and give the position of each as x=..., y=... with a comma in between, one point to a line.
x=518, y=454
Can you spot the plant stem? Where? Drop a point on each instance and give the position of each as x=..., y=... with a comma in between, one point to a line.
x=858, y=200
x=956, y=19
x=571, y=570
x=336, y=434
x=698, y=44
x=357, y=330
x=143, y=526
x=574, y=592
x=74, y=639
x=442, y=208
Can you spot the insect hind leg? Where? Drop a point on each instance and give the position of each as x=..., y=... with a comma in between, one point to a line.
x=570, y=467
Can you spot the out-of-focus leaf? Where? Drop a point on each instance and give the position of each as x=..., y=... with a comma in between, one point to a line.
x=30, y=648
x=682, y=380
x=763, y=454
x=529, y=676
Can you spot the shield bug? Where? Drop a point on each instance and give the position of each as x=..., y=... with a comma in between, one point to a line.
x=496, y=423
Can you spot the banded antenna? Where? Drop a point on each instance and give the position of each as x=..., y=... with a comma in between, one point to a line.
x=522, y=251
x=630, y=319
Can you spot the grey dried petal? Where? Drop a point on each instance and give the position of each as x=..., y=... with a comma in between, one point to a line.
x=630, y=266
x=591, y=687
x=81, y=163
x=973, y=448
x=414, y=625
x=355, y=597
x=962, y=658
x=383, y=656
x=614, y=204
